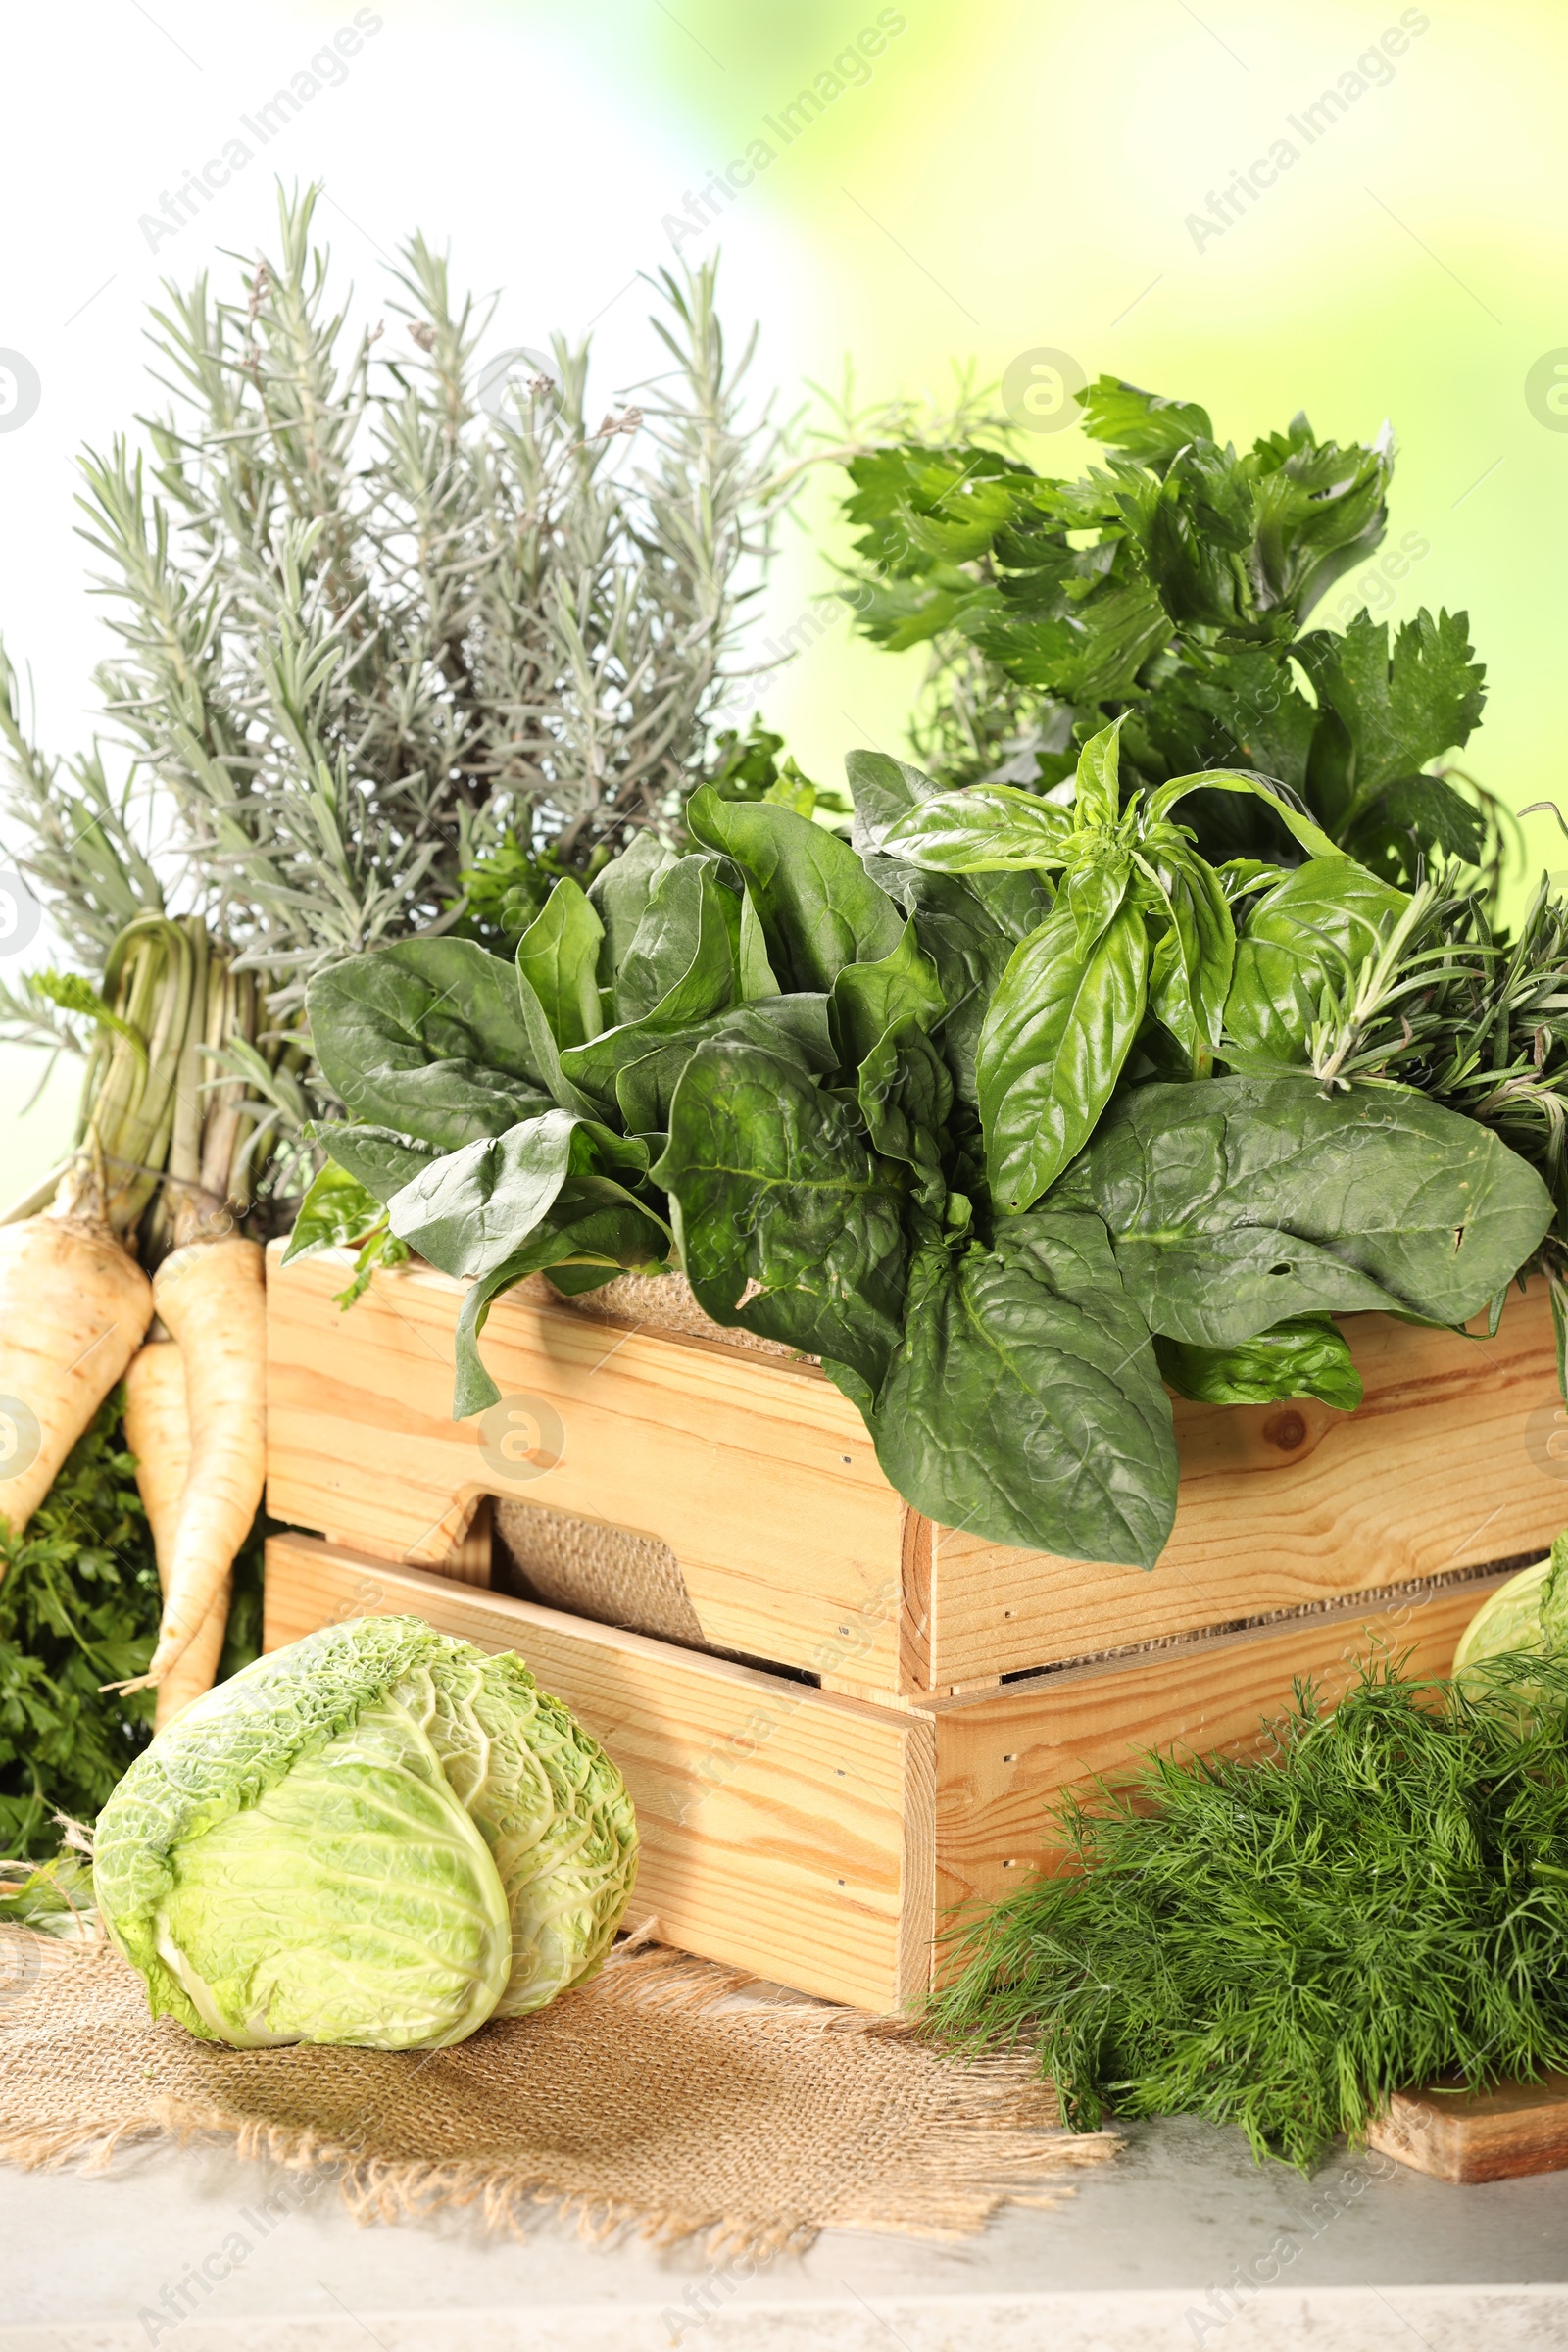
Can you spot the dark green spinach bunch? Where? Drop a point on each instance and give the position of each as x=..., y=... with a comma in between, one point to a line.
x=769, y=1062
x=521, y=1117
x=1171, y=589
x=1377, y=1901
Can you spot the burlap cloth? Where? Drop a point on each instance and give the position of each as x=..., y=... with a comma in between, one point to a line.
x=649, y=2100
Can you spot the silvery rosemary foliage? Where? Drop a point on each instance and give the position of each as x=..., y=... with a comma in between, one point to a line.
x=365, y=627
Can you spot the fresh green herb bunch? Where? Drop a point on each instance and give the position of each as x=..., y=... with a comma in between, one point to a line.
x=1475, y=1018
x=80, y=1606
x=1171, y=588
x=1283, y=1944
x=366, y=624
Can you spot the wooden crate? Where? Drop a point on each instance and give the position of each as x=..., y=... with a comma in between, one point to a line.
x=821, y=1839
x=760, y=1477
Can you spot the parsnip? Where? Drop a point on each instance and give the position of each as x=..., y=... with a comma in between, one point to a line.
x=158, y=1434
x=211, y=1297
x=73, y=1307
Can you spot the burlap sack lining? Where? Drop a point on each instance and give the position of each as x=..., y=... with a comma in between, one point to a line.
x=647, y=2102
x=611, y=1575
x=659, y=1303
x=604, y=1572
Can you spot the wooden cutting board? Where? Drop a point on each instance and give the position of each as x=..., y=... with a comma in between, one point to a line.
x=1496, y=2134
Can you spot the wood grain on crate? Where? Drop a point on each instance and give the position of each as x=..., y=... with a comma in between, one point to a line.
x=824, y=1841
x=1005, y=1757
x=783, y=1829
x=758, y=1475
x=1445, y=1465
x=1500, y=2134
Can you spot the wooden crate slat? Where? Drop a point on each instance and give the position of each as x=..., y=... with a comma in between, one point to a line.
x=758, y=1473
x=822, y=1840
x=1434, y=1473
x=1501, y=2134
x=1005, y=1757
x=760, y=1477
x=783, y=1829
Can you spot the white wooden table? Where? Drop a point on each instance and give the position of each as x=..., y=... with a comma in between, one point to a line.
x=1145, y=2256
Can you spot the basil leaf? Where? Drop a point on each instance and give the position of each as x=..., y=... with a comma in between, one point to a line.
x=1296, y=821
x=1093, y=894
x=1306, y=1355
x=988, y=828
x=1194, y=958
x=1059, y=1029
x=774, y=1186
x=1025, y=1402
x=682, y=966
x=469, y=1212
x=426, y=1038
x=1310, y=930
x=558, y=955
x=819, y=908
x=887, y=789
x=1232, y=1203
x=1098, y=801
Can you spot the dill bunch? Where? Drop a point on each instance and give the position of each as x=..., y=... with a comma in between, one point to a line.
x=1283, y=1944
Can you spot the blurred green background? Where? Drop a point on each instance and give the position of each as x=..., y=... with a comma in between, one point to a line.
x=992, y=181
x=1016, y=176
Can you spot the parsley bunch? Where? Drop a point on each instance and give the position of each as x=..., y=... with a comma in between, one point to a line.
x=79, y=1607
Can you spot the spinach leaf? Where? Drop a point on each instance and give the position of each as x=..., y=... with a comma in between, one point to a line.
x=1233, y=1203
x=1059, y=1029
x=905, y=1098
x=469, y=1212
x=558, y=958
x=639, y=1064
x=1025, y=1402
x=819, y=908
x=774, y=1186
x=619, y=894
x=970, y=952
x=867, y=998
x=426, y=1038
x=1310, y=930
x=1306, y=1355
x=583, y=1231
x=337, y=1210
x=681, y=965
x=377, y=1159
x=758, y=978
